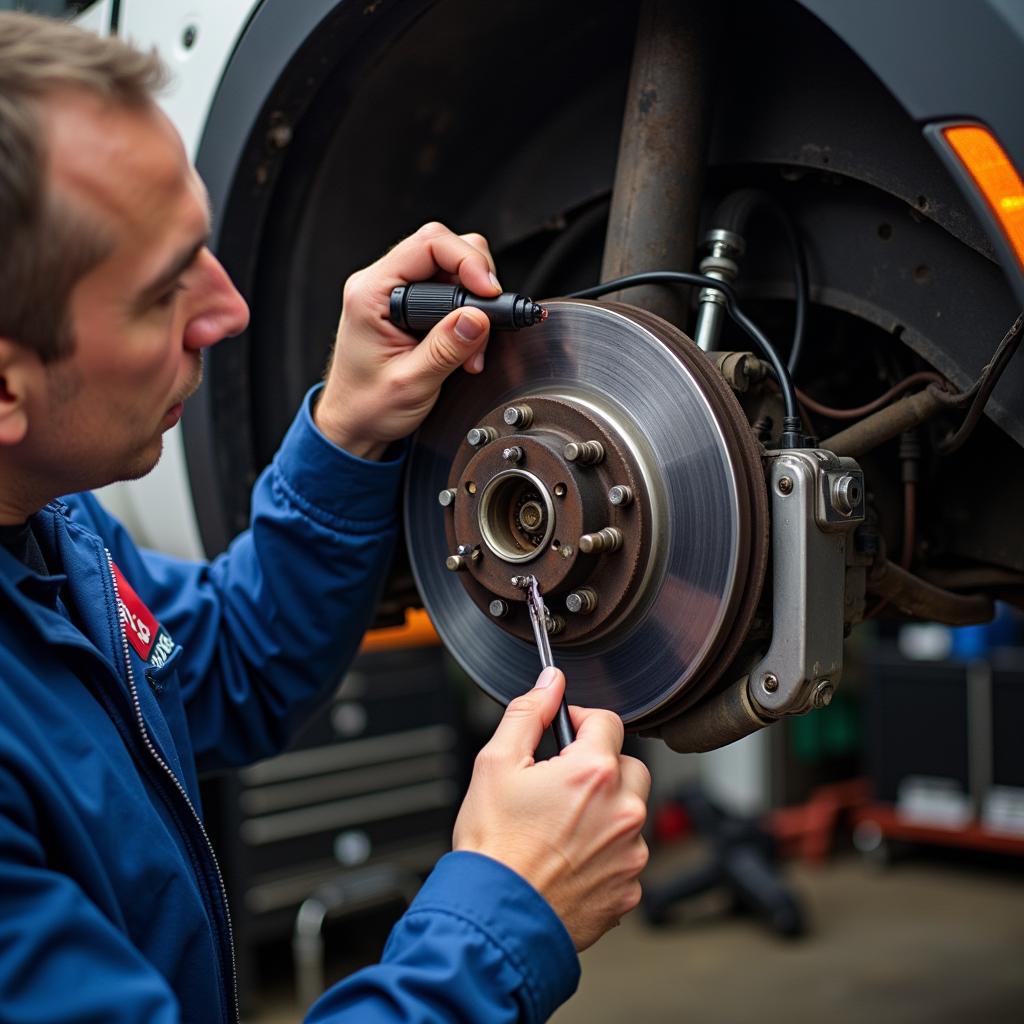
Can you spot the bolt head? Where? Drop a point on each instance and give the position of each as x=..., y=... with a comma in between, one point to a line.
x=770, y=682
x=498, y=608
x=823, y=693
x=785, y=485
x=846, y=494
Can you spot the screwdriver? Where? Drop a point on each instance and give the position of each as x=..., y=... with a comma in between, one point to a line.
x=562, y=725
x=420, y=306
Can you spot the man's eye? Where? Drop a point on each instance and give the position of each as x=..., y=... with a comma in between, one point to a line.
x=167, y=299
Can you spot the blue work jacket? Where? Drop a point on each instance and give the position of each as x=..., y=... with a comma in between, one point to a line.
x=131, y=671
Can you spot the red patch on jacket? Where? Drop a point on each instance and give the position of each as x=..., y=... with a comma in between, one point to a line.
x=139, y=623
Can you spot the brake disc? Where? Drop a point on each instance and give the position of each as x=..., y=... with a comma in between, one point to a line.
x=601, y=452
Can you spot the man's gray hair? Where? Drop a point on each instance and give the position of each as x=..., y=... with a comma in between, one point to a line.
x=48, y=244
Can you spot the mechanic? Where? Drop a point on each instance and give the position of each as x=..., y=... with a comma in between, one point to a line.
x=124, y=673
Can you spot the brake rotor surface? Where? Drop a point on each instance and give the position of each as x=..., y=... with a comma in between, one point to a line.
x=649, y=594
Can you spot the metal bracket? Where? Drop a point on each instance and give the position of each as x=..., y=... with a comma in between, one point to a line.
x=817, y=499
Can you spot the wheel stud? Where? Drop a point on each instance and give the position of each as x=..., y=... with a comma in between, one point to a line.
x=620, y=496
x=582, y=601
x=586, y=453
x=513, y=454
x=518, y=416
x=479, y=436
x=608, y=539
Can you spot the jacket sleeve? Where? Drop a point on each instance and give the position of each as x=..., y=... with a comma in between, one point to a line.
x=477, y=944
x=267, y=627
x=56, y=941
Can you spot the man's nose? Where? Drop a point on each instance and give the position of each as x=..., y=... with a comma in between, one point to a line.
x=219, y=310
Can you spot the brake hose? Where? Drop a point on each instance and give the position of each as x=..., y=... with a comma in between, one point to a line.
x=792, y=430
x=733, y=215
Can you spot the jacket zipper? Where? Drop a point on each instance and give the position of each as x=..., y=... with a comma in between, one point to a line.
x=166, y=769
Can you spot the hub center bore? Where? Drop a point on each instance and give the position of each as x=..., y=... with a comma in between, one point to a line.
x=516, y=516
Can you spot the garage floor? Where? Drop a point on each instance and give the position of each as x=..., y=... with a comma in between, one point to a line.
x=923, y=940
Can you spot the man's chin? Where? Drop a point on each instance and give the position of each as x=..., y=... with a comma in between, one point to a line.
x=143, y=464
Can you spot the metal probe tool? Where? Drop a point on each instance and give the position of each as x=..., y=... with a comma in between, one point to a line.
x=422, y=305
x=562, y=725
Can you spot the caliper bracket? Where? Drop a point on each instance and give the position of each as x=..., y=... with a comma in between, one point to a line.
x=817, y=499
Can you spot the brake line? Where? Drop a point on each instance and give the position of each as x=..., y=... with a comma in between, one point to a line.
x=792, y=429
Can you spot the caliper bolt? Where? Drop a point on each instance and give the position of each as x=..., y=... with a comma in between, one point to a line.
x=513, y=454
x=770, y=682
x=582, y=601
x=554, y=624
x=608, y=539
x=447, y=496
x=470, y=551
x=823, y=693
x=785, y=485
x=620, y=496
x=586, y=453
x=498, y=608
x=518, y=416
x=846, y=494
x=479, y=436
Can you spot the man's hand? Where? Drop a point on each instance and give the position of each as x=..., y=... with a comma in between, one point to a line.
x=381, y=383
x=570, y=826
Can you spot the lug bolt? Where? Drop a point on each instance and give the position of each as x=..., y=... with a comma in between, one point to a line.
x=586, y=453
x=447, y=496
x=479, y=436
x=608, y=539
x=620, y=496
x=498, y=608
x=785, y=485
x=455, y=563
x=554, y=624
x=823, y=693
x=513, y=454
x=770, y=682
x=582, y=601
x=518, y=416
x=520, y=582
x=846, y=494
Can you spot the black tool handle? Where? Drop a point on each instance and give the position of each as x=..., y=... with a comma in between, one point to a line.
x=562, y=726
x=420, y=306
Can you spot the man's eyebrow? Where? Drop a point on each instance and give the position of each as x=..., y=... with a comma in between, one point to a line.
x=174, y=269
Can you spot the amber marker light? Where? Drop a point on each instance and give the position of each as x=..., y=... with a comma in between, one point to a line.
x=995, y=177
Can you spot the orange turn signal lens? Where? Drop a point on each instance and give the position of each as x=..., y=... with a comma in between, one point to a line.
x=994, y=175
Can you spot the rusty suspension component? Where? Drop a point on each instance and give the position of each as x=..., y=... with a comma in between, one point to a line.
x=655, y=199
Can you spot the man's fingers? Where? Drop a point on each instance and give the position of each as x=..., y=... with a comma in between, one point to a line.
x=635, y=776
x=475, y=239
x=525, y=719
x=597, y=727
x=454, y=341
x=434, y=247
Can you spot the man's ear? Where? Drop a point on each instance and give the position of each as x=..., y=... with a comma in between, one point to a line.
x=21, y=371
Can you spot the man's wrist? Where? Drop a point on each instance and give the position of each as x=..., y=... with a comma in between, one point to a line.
x=341, y=434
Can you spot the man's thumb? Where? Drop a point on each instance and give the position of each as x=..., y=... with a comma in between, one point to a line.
x=449, y=344
x=525, y=719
